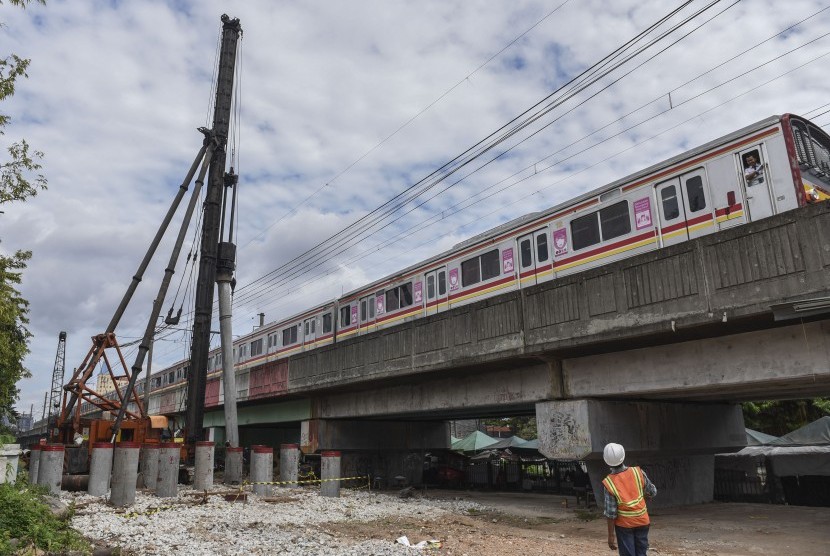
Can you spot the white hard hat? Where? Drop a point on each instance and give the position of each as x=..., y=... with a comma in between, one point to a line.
x=613, y=454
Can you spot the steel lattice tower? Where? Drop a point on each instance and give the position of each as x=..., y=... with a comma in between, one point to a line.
x=57, y=381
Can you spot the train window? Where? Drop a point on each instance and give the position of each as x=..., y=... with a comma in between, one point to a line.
x=313, y=326
x=326, y=323
x=584, y=231
x=406, y=294
x=470, y=272
x=393, y=300
x=525, y=253
x=668, y=196
x=480, y=268
x=442, y=282
x=372, y=307
x=171, y=378
x=542, y=247
x=289, y=335
x=430, y=286
x=490, y=264
x=697, y=199
x=345, y=316
x=363, y=310
x=307, y=328
x=256, y=347
x=615, y=221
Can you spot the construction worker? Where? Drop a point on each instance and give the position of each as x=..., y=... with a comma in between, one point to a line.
x=626, y=489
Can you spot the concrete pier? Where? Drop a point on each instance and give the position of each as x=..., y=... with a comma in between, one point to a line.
x=100, y=468
x=674, y=443
x=124, y=473
x=167, y=485
x=34, y=463
x=262, y=469
x=330, y=471
x=203, y=475
x=150, y=465
x=50, y=470
x=289, y=463
x=233, y=465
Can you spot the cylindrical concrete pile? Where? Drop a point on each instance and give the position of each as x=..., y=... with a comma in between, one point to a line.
x=34, y=463
x=289, y=463
x=50, y=469
x=100, y=468
x=329, y=473
x=262, y=469
x=203, y=475
x=168, y=482
x=233, y=465
x=124, y=473
x=150, y=465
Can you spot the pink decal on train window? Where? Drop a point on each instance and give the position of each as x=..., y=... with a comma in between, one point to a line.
x=453, y=279
x=419, y=292
x=560, y=241
x=354, y=313
x=507, y=260
x=642, y=213
x=379, y=303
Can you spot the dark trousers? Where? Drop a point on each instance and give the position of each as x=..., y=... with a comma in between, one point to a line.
x=632, y=541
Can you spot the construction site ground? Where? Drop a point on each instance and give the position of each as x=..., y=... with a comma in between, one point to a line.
x=524, y=523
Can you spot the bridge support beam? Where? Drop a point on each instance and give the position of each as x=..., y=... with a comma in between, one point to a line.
x=386, y=449
x=675, y=443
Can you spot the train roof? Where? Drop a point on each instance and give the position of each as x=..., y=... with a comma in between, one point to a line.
x=518, y=222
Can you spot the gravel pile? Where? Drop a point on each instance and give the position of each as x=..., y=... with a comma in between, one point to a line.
x=289, y=522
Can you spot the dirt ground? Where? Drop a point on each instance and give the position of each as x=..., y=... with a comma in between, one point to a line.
x=536, y=524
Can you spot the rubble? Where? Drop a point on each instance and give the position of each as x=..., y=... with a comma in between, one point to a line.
x=193, y=524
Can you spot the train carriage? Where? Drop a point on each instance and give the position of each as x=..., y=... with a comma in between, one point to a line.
x=772, y=166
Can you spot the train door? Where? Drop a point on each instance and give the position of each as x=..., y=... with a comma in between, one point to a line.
x=756, y=180
x=534, y=257
x=436, y=282
x=310, y=330
x=367, y=313
x=684, y=207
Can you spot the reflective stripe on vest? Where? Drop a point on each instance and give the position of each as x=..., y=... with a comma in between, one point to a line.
x=627, y=488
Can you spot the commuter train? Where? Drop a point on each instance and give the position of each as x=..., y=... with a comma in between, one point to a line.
x=775, y=165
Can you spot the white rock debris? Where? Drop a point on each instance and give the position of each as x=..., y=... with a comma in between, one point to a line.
x=290, y=524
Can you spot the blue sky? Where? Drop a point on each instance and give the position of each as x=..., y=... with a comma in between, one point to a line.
x=353, y=100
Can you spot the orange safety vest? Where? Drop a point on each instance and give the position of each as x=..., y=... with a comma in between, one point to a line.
x=627, y=488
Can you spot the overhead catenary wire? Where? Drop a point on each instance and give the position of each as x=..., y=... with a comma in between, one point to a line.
x=519, y=122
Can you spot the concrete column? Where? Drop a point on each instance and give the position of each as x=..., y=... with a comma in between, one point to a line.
x=289, y=463
x=168, y=481
x=124, y=473
x=150, y=465
x=203, y=475
x=262, y=469
x=50, y=470
x=330, y=470
x=100, y=468
x=233, y=465
x=34, y=463
x=674, y=443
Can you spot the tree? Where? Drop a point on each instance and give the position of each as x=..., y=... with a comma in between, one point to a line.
x=780, y=417
x=19, y=180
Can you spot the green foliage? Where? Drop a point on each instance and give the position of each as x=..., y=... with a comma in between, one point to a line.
x=25, y=517
x=780, y=417
x=523, y=427
x=14, y=336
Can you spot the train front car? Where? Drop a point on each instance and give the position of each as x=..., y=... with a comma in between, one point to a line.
x=809, y=149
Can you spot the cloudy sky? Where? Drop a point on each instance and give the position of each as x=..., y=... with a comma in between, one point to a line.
x=343, y=105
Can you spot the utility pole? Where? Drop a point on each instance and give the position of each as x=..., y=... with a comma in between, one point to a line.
x=231, y=31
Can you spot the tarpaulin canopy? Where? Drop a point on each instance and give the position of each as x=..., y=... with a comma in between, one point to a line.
x=510, y=442
x=473, y=442
x=756, y=438
x=816, y=433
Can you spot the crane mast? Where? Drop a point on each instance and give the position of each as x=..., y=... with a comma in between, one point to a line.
x=209, y=251
x=57, y=381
